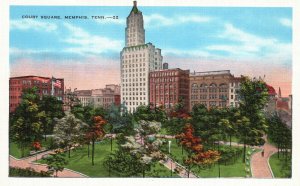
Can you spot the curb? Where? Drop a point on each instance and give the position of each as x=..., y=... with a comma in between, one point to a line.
x=270, y=165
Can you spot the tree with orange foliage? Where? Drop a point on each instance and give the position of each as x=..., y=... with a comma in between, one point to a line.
x=196, y=154
x=96, y=132
x=37, y=146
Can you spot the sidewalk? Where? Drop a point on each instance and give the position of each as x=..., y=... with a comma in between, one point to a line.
x=28, y=162
x=171, y=164
x=260, y=164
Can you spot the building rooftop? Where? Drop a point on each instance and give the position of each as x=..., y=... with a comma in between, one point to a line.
x=169, y=69
x=83, y=92
x=207, y=73
x=31, y=76
x=271, y=90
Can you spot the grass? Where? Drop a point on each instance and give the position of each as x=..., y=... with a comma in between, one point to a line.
x=15, y=151
x=80, y=162
x=236, y=169
x=280, y=167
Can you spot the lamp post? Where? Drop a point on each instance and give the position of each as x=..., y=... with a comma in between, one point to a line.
x=170, y=157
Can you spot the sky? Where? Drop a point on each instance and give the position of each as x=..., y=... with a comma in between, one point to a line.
x=85, y=52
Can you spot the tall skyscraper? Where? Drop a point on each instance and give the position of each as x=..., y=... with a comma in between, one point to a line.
x=137, y=59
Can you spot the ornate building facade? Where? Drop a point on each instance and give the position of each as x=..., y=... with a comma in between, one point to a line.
x=213, y=89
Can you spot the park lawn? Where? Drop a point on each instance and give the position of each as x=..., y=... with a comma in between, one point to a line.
x=277, y=166
x=15, y=151
x=236, y=169
x=159, y=170
x=80, y=162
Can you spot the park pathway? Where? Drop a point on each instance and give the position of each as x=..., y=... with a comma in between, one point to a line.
x=170, y=164
x=260, y=164
x=28, y=162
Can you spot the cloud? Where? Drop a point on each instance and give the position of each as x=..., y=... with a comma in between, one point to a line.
x=84, y=43
x=245, y=44
x=158, y=20
x=17, y=51
x=286, y=22
x=27, y=24
x=181, y=52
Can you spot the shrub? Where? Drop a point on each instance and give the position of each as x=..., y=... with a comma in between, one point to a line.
x=28, y=172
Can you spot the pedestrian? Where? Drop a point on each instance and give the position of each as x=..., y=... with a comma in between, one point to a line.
x=263, y=153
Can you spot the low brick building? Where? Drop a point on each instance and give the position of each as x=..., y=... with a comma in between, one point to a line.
x=45, y=86
x=169, y=87
x=103, y=97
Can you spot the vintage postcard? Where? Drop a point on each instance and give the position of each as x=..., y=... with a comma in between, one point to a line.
x=151, y=90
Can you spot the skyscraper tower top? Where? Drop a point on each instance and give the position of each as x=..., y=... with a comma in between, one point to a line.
x=135, y=32
x=134, y=8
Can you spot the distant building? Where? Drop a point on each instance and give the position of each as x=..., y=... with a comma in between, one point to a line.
x=234, y=87
x=137, y=60
x=169, y=87
x=45, y=85
x=270, y=107
x=284, y=108
x=213, y=89
x=104, y=97
x=84, y=97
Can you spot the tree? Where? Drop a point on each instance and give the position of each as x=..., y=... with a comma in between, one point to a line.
x=196, y=153
x=25, y=123
x=279, y=133
x=124, y=164
x=51, y=108
x=96, y=132
x=56, y=161
x=253, y=98
x=37, y=146
x=137, y=155
x=149, y=113
x=68, y=131
x=178, y=117
x=244, y=129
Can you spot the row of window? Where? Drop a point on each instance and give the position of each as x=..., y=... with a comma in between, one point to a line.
x=133, y=84
x=14, y=97
x=195, y=86
x=134, y=65
x=162, y=80
x=132, y=70
x=165, y=86
x=210, y=103
x=210, y=90
x=133, y=93
x=163, y=74
x=134, y=98
x=133, y=56
x=164, y=92
x=210, y=96
x=133, y=80
x=164, y=98
x=134, y=103
x=133, y=89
